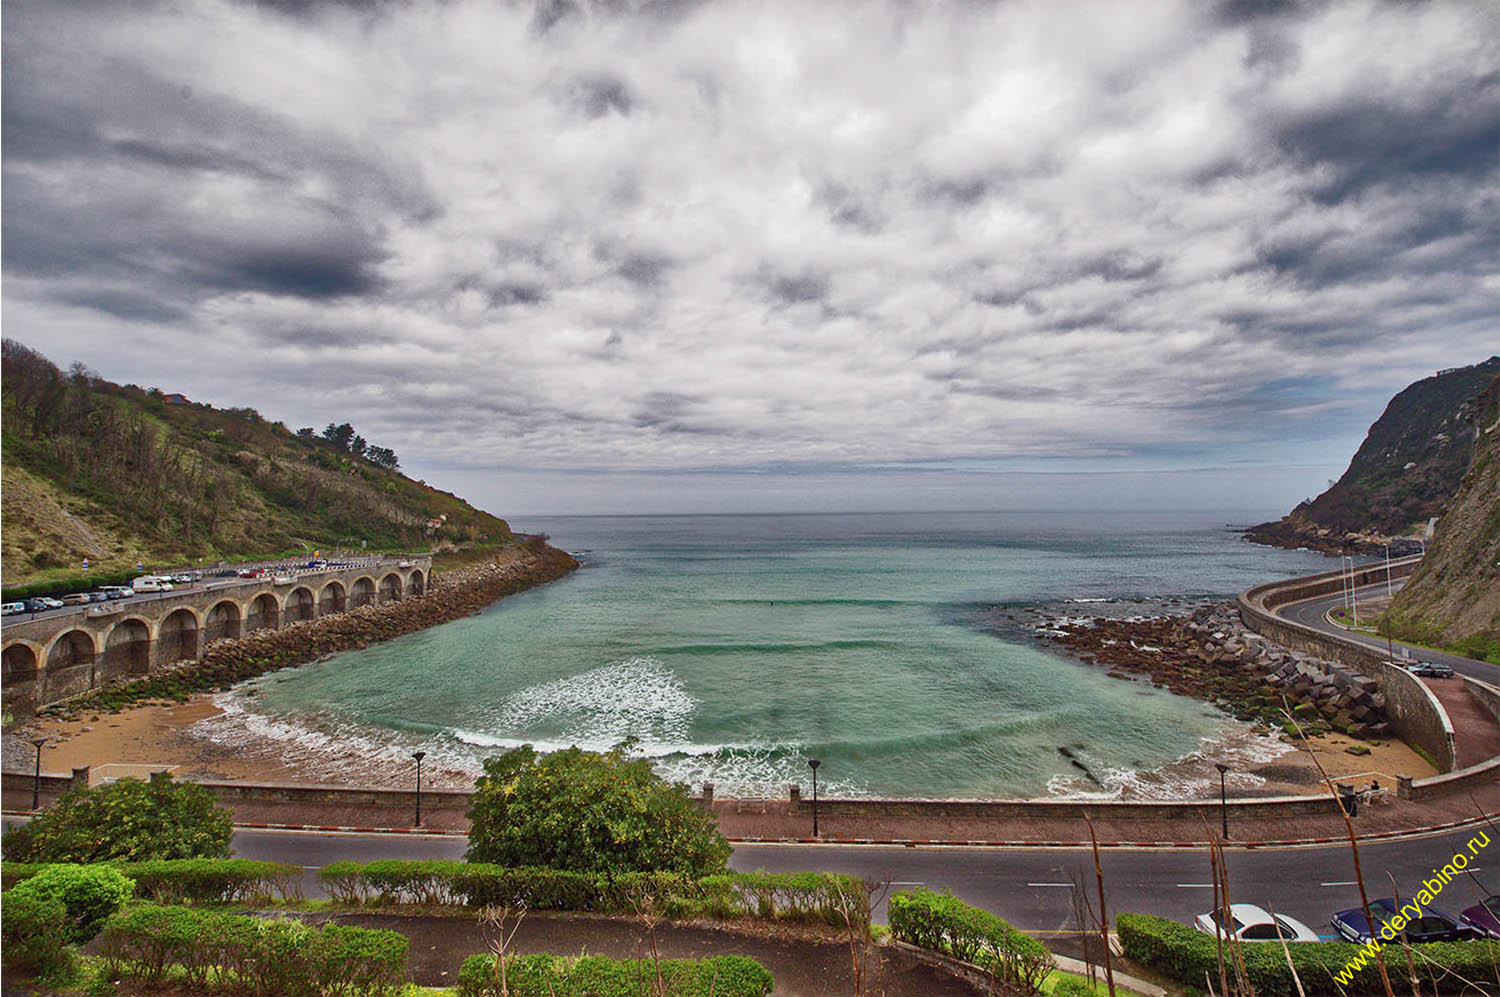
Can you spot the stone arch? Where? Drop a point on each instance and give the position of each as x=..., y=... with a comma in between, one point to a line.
x=70, y=666
x=127, y=649
x=416, y=584
x=300, y=605
x=177, y=636
x=20, y=662
x=223, y=621
x=19, y=675
x=331, y=599
x=265, y=613
x=390, y=587
x=364, y=591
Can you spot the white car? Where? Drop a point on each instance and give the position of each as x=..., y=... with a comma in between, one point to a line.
x=1255, y=924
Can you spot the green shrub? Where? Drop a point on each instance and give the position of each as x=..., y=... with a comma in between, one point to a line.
x=130, y=820
x=89, y=894
x=35, y=932
x=943, y=923
x=589, y=812
x=1187, y=955
x=597, y=976
x=1072, y=986
x=167, y=881
x=248, y=954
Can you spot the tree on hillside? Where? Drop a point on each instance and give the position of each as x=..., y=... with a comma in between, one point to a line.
x=129, y=820
x=340, y=436
x=306, y=433
x=382, y=457
x=358, y=446
x=589, y=812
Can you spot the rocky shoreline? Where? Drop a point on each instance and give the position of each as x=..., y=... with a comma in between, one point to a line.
x=1210, y=655
x=1297, y=533
x=450, y=596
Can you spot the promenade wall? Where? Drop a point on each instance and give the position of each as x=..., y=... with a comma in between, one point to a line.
x=1415, y=713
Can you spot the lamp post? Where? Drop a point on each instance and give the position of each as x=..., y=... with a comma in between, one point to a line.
x=1223, y=801
x=813, y=764
x=36, y=784
x=419, y=755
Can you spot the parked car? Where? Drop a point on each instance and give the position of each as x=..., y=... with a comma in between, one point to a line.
x=226, y=573
x=12, y=608
x=52, y=603
x=1433, y=926
x=1430, y=669
x=98, y=595
x=75, y=599
x=182, y=578
x=151, y=583
x=37, y=604
x=251, y=572
x=1250, y=923
x=117, y=591
x=1484, y=916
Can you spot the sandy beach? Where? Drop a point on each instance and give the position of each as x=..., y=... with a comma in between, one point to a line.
x=178, y=737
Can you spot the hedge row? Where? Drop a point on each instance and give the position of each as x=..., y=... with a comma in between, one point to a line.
x=804, y=897
x=246, y=954
x=597, y=976
x=943, y=923
x=67, y=586
x=173, y=881
x=1190, y=957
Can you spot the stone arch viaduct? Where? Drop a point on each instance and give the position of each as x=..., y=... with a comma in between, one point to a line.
x=65, y=653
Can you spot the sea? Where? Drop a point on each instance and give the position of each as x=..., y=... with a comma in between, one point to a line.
x=900, y=650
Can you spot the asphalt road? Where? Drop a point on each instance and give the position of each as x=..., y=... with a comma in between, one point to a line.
x=1032, y=888
x=1313, y=613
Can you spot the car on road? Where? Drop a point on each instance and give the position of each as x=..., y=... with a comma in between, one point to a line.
x=50, y=602
x=1484, y=916
x=251, y=572
x=36, y=604
x=226, y=573
x=117, y=591
x=75, y=599
x=98, y=595
x=1430, y=669
x=1432, y=926
x=12, y=608
x=181, y=578
x=1250, y=923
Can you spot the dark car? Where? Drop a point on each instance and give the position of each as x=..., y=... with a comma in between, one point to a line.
x=1484, y=916
x=1431, y=670
x=36, y=605
x=1432, y=926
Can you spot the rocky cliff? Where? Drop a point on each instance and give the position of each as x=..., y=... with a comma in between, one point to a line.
x=1405, y=473
x=1453, y=598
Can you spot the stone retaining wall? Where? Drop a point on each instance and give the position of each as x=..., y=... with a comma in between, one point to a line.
x=1415, y=713
x=1277, y=806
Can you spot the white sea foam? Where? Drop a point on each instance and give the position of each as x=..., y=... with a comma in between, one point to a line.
x=1190, y=777
x=639, y=698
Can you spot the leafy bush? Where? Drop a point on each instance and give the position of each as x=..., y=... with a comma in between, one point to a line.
x=128, y=819
x=88, y=894
x=1186, y=955
x=808, y=897
x=35, y=931
x=192, y=880
x=943, y=923
x=589, y=812
x=275, y=957
x=597, y=976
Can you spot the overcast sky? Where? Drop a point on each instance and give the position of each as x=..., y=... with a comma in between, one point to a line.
x=580, y=257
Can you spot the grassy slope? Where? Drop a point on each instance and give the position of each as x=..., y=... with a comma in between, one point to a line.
x=1453, y=599
x=118, y=475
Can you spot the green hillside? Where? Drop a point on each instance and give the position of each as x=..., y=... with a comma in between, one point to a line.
x=119, y=474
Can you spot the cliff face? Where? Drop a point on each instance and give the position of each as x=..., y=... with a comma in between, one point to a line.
x=1453, y=598
x=1406, y=471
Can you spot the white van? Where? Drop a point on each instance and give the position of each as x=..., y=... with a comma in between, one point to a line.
x=151, y=583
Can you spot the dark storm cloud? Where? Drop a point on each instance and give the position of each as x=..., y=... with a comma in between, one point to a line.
x=735, y=233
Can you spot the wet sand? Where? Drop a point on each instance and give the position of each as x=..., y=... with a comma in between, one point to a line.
x=175, y=736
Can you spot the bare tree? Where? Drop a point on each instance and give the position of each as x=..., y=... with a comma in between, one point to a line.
x=495, y=918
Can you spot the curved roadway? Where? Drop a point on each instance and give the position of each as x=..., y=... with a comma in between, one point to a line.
x=1031, y=888
x=1314, y=613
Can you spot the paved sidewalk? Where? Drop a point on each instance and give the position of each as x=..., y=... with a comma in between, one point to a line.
x=772, y=820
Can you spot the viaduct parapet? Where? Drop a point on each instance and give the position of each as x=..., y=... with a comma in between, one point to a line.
x=53, y=657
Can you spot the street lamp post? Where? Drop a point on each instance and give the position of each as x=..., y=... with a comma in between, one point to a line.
x=813, y=764
x=36, y=784
x=1223, y=800
x=419, y=755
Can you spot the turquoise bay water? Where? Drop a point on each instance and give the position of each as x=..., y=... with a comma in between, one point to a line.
x=734, y=648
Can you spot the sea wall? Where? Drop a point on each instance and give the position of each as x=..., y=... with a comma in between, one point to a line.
x=1414, y=712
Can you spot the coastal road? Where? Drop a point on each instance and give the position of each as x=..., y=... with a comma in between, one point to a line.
x=1314, y=613
x=1031, y=888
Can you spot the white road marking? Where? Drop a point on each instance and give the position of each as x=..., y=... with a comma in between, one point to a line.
x=1049, y=884
x=1349, y=883
x=1195, y=886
